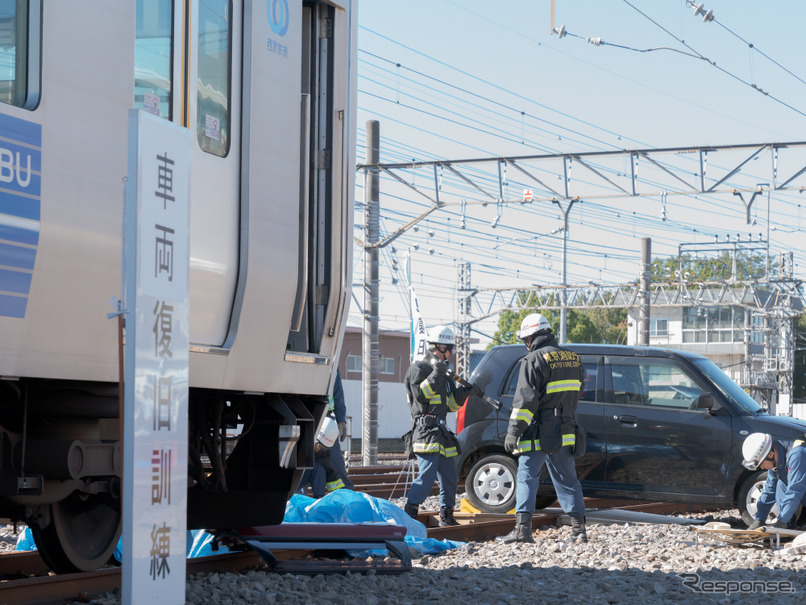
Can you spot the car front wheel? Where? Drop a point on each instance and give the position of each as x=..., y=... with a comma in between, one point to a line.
x=749, y=494
x=491, y=482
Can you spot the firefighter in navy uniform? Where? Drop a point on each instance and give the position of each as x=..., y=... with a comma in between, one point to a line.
x=432, y=395
x=542, y=427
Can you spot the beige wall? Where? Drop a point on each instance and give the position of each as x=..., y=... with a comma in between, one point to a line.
x=390, y=344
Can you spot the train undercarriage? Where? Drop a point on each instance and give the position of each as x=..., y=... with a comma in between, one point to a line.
x=61, y=462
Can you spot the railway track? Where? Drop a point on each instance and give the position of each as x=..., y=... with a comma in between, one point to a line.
x=24, y=578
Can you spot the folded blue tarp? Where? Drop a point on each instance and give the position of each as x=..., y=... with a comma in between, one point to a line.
x=347, y=506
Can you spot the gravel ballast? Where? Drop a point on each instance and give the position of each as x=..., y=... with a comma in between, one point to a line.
x=620, y=564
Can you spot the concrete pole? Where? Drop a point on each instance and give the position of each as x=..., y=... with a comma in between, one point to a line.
x=646, y=284
x=370, y=370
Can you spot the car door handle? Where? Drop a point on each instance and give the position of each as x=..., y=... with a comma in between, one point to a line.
x=626, y=419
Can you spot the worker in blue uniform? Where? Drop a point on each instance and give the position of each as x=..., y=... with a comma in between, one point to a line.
x=786, y=477
x=323, y=477
x=338, y=410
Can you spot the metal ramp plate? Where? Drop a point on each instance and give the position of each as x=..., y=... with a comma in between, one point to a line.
x=330, y=537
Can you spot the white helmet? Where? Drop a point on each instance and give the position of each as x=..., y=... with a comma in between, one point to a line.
x=328, y=432
x=755, y=449
x=442, y=335
x=532, y=324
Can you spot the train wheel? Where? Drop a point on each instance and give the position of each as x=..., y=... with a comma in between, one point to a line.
x=82, y=535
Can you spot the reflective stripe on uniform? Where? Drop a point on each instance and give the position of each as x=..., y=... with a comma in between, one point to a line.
x=452, y=405
x=332, y=486
x=429, y=392
x=559, y=386
x=529, y=445
x=521, y=414
x=434, y=448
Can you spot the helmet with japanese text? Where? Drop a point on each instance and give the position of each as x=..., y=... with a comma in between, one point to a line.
x=532, y=324
x=755, y=449
x=328, y=432
x=442, y=336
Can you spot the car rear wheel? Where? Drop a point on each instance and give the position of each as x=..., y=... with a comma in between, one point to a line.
x=491, y=482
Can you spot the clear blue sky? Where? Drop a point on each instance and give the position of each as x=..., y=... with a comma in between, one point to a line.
x=468, y=79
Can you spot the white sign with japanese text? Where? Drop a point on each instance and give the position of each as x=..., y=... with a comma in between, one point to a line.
x=155, y=443
x=419, y=347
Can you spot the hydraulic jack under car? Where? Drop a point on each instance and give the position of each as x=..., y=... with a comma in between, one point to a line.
x=328, y=537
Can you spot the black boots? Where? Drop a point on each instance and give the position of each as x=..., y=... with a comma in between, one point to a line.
x=578, y=530
x=411, y=510
x=522, y=531
x=446, y=517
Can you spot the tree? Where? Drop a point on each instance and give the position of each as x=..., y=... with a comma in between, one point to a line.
x=799, y=371
x=713, y=268
x=607, y=325
x=590, y=325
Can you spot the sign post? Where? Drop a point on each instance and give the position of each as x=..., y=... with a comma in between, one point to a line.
x=155, y=443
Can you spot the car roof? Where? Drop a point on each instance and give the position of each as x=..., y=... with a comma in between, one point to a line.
x=609, y=349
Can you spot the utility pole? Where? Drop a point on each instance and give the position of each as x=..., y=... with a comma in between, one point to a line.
x=646, y=285
x=370, y=370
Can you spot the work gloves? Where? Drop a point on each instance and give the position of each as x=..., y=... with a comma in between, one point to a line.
x=511, y=443
x=754, y=525
x=342, y=430
x=477, y=391
x=439, y=366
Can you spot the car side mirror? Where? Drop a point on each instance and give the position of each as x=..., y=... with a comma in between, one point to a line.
x=705, y=401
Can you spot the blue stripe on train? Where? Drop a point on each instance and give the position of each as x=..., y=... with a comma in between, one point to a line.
x=13, y=306
x=17, y=282
x=13, y=233
x=20, y=210
x=17, y=256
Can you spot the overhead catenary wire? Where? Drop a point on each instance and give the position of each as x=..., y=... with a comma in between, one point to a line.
x=479, y=229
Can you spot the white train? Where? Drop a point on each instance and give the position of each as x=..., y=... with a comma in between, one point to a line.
x=267, y=88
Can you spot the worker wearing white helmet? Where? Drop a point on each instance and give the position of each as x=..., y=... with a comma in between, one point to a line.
x=323, y=477
x=786, y=483
x=542, y=427
x=432, y=394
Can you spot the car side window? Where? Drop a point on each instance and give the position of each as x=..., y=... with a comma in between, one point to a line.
x=654, y=382
x=588, y=391
x=512, y=379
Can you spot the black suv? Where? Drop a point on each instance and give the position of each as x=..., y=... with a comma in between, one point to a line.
x=662, y=425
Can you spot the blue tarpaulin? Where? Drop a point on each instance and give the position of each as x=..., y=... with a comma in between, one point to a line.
x=341, y=506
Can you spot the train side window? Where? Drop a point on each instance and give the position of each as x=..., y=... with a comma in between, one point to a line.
x=20, y=27
x=214, y=76
x=153, y=53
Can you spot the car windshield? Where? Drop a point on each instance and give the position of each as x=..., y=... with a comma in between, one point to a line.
x=727, y=387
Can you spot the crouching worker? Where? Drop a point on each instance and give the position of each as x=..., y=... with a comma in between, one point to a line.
x=323, y=477
x=786, y=477
x=432, y=394
x=542, y=427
